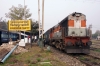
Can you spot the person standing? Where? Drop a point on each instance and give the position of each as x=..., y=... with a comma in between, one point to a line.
x=32, y=39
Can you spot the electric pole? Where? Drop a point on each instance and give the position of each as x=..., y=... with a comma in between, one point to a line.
x=42, y=18
x=90, y=31
x=24, y=18
x=39, y=16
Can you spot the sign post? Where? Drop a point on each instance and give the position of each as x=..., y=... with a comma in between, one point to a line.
x=19, y=25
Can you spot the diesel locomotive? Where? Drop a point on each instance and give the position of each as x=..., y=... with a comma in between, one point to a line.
x=71, y=34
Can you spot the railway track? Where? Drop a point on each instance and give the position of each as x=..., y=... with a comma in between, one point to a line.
x=92, y=59
x=95, y=46
x=95, y=49
x=89, y=60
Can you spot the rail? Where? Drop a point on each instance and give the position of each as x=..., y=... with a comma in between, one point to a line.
x=3, y=60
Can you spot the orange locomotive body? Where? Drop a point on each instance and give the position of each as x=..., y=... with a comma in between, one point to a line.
x=70, y=34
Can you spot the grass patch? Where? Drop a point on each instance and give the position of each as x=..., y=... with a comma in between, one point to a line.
x=28, y=61
x=47, y=60
x=33, y=64
x=38, y=59
x=33, y=58
x=97, y=50
x=81, y=58
x=45, y=64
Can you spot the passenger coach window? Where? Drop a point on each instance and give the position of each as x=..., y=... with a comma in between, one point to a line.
x=14, y=36
x=4, y=35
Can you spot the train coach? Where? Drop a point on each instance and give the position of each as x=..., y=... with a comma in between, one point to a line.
x=6, y=35
x=70, y=34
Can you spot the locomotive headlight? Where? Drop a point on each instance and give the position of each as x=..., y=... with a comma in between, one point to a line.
x=73, y=35
x=73, y=32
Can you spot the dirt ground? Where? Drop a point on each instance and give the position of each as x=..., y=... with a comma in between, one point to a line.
x=36, y=56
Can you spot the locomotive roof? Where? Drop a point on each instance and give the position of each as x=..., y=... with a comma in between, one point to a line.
x=73, y=14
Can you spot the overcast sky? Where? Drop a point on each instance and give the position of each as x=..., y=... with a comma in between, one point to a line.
x=56, y=10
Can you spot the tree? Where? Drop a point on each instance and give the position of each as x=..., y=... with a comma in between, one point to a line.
x=17, y=13
x=3, y=24
x=96, y=34
x=35, y=27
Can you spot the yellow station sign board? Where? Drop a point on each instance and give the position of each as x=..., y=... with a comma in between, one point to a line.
x=20, y=25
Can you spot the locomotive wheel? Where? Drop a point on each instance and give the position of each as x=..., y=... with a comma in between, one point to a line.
x=57, y=45
x=61, y=47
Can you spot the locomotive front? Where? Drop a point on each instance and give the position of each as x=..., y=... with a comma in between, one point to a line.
x=77, y=36
x=77, y=25
x=70, y=34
